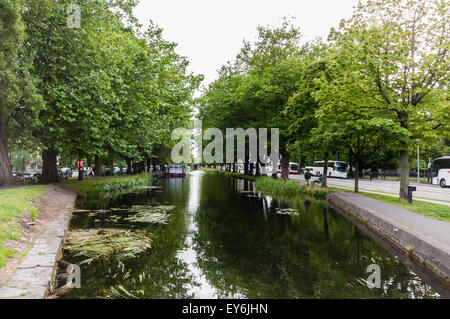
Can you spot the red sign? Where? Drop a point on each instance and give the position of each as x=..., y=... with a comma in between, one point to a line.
x=80, y=164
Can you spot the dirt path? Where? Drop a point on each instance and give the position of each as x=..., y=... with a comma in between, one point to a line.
x=55, y=203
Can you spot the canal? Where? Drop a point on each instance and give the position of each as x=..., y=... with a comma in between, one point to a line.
x=224, y=240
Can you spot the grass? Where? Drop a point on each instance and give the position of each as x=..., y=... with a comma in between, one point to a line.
x=111, y=185
x=278, y=186
x=435, y=211
x=423, y=180
x=15, y=202
x=282, y=187
x=237, y=175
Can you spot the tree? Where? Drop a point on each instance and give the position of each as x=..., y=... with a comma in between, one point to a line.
x=254, y=90
x=110, y=90
x=395, y=53
x=18, y=98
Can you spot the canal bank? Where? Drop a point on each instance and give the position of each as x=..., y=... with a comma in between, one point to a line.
x=32, y=275
x=424, y=240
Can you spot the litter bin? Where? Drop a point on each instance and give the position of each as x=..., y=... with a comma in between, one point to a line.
x=411, y=189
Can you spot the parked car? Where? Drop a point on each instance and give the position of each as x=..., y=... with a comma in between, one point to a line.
x=19, y=178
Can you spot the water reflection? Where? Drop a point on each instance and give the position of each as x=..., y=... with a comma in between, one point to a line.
x=188, y=254
x=225, y=240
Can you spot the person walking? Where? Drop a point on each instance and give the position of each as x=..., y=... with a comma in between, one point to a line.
x=307, y=177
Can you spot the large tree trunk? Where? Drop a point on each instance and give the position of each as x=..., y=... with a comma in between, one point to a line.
x=325, y=171
x=404, y=175
x=49, y=170
x=5, y=164
x=258, y=169
x=252, y=167
x=357, y=175
x=98, y=166
x=246, y=167
x=285, y=157
x=80, y=169
x=148, y=164
x=129, y=168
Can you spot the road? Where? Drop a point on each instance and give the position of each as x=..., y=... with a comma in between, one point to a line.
x=425, y=192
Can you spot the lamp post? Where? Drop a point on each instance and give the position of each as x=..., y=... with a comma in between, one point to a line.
x=418, y=164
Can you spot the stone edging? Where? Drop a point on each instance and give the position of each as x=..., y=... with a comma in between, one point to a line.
x=433, y=255
x=36, y=273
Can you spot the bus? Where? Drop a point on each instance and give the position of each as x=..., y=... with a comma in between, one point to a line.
x=440, y=171
x=335, y=169
x=293, y=168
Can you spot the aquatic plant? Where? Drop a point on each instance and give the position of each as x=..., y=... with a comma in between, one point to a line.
x=106, y=243
x=121, y=293
x=287, y=211
x=150, y=214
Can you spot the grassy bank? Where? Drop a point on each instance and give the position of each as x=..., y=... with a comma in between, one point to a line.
x=282, y=187
x=278, y=186
x=112, y=185
x=435, y=211
x=15, y=202
x=237, y=175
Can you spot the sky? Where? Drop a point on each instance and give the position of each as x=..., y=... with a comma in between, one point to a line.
x=210, y=32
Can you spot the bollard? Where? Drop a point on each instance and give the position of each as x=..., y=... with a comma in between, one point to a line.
x=411, y=189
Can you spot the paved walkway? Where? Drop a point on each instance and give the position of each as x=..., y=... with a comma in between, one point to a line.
x=436, y=229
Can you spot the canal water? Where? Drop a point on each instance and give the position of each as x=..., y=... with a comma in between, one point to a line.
x=224, y=240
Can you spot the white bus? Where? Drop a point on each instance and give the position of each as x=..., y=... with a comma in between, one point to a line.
x=440, y=170
x=335, y=169
x=293, y=168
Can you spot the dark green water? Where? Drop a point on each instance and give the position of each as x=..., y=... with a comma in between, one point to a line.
x=224, y=242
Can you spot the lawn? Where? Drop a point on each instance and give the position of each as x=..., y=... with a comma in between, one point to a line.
x=435, y=211
x=423, y=180
x=15, y=202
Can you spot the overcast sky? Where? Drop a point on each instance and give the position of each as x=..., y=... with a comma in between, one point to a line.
x=210, y=32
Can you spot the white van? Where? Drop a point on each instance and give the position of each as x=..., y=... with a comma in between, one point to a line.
x=440, y=170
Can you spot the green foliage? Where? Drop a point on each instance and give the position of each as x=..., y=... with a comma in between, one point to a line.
x=19, y=102
x=109, y=88
x=112, y=185
x=283, y=187
x=254, y=89
x=237, y=175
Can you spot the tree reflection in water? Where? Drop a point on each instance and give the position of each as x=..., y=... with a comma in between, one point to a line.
x=226, y=241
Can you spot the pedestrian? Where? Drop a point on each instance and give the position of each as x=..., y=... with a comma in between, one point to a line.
x=307, y=177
